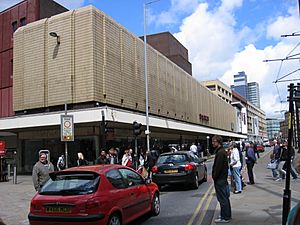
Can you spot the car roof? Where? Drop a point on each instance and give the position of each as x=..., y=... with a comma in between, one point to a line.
x=100, y=169
x=176, y=153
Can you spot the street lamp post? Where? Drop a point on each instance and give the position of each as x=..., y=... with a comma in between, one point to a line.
x=147, y=131
x=207, y=145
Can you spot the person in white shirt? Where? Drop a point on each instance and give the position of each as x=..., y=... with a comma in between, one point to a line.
x=235, y=163
x=193, y=148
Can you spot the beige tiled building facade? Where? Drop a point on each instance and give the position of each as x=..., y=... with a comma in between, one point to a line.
x=96, y=67
x=98, y=60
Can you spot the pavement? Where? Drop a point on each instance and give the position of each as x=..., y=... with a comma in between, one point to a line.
x=261, y=203
x=258, y=204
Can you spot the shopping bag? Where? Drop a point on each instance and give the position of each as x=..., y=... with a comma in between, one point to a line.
x=272, y=165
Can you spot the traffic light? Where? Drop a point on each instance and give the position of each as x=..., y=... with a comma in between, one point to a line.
x=137, y=128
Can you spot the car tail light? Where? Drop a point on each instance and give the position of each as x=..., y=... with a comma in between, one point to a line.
x=92, y=204
x=189, y=167
x=154, y=169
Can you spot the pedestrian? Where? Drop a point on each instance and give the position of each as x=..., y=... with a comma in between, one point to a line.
x=112, y=156
x=102, y=159
x=127, y=159
x=40, y=172
x=81, y=161
x=235, y=163
x=219, y=175
x=193, y=148
x=250, y=161
x=60, y=163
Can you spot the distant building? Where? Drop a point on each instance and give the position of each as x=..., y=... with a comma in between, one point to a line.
x=170, y=47
x=253, y=93
x=10, y=20
x=250, y=91
x=220, y=89
x=273, y=128
x=240, y=84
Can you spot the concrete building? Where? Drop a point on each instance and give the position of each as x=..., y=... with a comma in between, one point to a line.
x=97, y=69
x=253, y=93
x=170, y=47
x=273, y=128
x=255, y=118
x=240, y=84
x=220, y=89
x=10, y=19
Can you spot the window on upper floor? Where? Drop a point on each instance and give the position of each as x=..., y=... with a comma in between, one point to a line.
x=14, y=26
x=23, y=21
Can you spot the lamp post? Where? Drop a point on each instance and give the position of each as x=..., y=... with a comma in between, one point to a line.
x=147, y=131
x=207, y=145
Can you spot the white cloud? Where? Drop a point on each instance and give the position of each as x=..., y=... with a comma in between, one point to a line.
x=215, y=49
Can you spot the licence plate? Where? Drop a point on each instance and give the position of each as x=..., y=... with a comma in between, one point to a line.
x=58, y=209
x=171, y=171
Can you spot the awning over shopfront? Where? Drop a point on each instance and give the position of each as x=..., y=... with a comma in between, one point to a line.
x=111, y=115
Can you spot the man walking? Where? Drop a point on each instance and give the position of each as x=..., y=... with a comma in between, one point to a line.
x=219, y=175
x=40, y=172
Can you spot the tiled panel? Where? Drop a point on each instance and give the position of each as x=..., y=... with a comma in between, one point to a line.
x=34, y=70
x=83, y=49
x=18, y=80
x=98, y=63
x=60, y=60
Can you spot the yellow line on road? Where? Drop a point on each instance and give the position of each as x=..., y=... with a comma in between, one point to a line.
x=199, y=205
x=205, y=209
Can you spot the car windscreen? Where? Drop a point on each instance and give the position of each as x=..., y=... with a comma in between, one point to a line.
x=176, y=158
x=71, y=184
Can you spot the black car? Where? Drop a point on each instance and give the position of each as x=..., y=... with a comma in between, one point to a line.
x=179, y=167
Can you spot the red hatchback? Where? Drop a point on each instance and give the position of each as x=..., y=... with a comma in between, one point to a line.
x=102, y=195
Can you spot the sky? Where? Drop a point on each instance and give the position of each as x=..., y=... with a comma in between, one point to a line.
x=223, y=37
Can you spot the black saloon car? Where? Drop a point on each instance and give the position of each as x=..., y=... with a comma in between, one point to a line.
x=179, y=167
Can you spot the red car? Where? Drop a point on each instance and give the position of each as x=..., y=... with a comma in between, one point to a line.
x=101, y=194
x=260, y=148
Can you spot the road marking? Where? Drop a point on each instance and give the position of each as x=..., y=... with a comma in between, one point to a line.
x=205, y=209
x=199, y=205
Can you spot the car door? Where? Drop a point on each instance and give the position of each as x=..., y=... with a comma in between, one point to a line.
x=200, y=166
x=120, y=194
x=140, y=194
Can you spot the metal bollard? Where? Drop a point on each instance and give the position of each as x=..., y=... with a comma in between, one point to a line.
x=15, y=175
x=8, y=170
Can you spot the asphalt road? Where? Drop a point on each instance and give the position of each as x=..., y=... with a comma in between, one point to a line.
x=183, y=206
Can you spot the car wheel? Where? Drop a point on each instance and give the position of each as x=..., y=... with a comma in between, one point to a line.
x=155, y=208
x=195, y=184
x=114, y=219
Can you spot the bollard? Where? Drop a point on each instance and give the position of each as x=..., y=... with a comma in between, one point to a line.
x=15, y=175
x=8, y=170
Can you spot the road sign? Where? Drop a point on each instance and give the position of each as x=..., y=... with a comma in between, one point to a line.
x=2, y=148
x=67, y=128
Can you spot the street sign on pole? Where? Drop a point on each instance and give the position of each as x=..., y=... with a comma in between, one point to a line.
x=67, y=128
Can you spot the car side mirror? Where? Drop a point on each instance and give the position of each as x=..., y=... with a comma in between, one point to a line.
x=148, y=181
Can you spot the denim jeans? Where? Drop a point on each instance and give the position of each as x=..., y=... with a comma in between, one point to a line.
x=223, y=194
x=237, y=178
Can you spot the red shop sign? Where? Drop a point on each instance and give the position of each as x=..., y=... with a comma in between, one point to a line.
x=2, y=148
